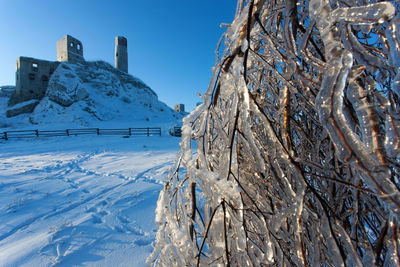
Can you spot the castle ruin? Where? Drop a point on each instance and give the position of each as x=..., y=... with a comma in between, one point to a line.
x=69, y=49
x=31, y=78
x=121, y=53
x=180, y=108
x=32, y=75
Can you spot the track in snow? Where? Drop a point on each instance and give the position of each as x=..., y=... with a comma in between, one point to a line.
x=81, y=201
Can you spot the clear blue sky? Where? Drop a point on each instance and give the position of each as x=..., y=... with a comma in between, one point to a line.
x=170, y=43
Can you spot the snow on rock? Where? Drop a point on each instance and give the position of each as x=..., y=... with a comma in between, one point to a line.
x=87, y=93
x=97, y=91
x=65, y=87
x=23, y=107
x=48, y=112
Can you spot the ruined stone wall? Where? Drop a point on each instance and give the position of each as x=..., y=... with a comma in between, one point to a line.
x=32, y=77
x=121, y=53
x=69, y=49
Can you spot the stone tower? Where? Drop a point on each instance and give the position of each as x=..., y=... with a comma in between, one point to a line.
x=180, y=108
x=121, y=53
x=69, y=49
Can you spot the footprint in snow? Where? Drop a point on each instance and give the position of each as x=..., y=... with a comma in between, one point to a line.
x=96, y=219
x=103, y=212
x=127, y=227
x=123, y=219
x=92, y=209
x=144, y=241
x=118, y=229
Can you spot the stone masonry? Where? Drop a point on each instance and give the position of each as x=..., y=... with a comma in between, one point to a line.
x=180, y=108
x=69, y=49
x=121, y=53
x=31, y=79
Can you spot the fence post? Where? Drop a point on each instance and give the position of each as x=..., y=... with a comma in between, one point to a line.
x=67, y=132
x=130, y=133
x=5, y=136
x=159, y=130
x=98, y=131
x=148, y=131
x=37, y=132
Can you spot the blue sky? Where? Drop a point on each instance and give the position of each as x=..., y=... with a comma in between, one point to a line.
x=170, y=43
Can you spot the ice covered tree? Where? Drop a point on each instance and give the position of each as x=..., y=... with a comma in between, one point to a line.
x=293, y=158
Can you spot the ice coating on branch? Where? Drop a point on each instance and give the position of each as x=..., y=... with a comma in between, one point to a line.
x=329, y=102
x=291, y=159
x=367, y=116
x=372, y=62
x=392, y=138
x=393, y=37
x=364, y=15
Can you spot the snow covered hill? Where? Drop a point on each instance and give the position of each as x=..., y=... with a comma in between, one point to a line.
x=81, y=201
x=90, y=94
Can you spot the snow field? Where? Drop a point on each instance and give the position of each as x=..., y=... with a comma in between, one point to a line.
x=81, y=201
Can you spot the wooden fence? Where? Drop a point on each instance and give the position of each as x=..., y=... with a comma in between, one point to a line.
x=149, y=131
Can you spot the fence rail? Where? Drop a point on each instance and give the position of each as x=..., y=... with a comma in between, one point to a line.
x=149, y=131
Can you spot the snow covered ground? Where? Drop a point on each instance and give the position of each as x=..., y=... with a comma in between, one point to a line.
x=81, y=201
x=84, y=200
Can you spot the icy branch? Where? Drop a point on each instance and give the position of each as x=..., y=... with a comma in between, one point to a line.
x=297, y=142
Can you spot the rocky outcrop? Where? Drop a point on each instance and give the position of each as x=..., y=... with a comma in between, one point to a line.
x=65, y=87
x=24, y=107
